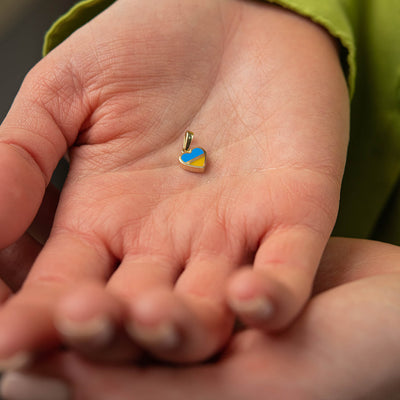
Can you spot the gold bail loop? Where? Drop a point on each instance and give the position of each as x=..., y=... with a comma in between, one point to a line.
x=188, y=141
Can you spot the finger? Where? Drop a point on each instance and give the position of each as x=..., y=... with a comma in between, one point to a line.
x=190, y=323
x=43, y=121
x=139, y=273
x=26, y=320
x=90, y=321
x=271, y=294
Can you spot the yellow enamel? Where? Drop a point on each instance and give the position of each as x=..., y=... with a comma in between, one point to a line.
x=198, y=162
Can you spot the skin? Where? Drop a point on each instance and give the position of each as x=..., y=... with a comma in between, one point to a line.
x=343, y=346
x=263, y=90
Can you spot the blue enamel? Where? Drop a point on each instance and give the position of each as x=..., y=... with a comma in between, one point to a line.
x=195, y=153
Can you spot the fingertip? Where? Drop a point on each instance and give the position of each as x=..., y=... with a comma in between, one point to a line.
x=163, y=336
x=180, y=329
x=91, y=322
x=152, y=322
x=261, y=301
x=87, y=316
x=247, y=297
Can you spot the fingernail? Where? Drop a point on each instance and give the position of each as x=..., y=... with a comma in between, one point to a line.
x=256, y=307
x=22, y=386
x=97, y=331
x=17, y=361
x=164, y=335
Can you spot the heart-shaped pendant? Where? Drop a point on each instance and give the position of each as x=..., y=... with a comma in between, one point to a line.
x=192, y=160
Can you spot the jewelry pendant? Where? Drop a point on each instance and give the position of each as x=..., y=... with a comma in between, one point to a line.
x=193, y=160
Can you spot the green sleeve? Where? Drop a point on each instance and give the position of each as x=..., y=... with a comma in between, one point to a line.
x=77, y=16
x=336, y=17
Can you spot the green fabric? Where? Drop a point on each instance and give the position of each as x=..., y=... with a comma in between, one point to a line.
x=369, y=33
x=335, y=19
x=77, y=16
x=373, y=171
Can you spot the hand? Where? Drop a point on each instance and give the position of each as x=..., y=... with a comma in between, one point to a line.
x=344, y=346
x=263, y=90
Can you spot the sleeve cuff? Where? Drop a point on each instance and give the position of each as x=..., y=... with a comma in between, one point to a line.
x=76, y=17
x=333, y=16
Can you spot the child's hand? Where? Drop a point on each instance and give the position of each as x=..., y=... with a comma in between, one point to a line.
x=264, y=93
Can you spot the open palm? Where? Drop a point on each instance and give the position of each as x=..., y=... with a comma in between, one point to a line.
x=264, y=93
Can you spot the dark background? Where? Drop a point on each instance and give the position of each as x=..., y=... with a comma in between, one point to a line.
x=23, y=24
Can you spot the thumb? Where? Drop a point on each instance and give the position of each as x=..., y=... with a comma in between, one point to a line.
x=42, y=123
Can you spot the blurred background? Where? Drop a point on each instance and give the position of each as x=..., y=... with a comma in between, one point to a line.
x=23, y=24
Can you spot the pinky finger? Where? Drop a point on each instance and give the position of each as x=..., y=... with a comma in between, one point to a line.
x=271, y=294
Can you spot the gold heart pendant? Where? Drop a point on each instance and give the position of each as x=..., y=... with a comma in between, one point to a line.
x=193, y=160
